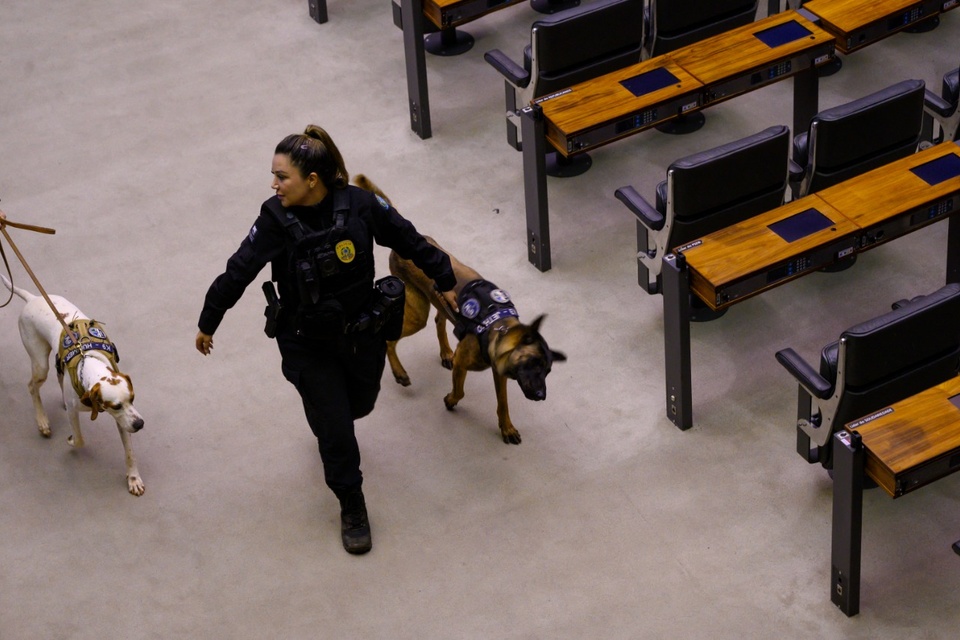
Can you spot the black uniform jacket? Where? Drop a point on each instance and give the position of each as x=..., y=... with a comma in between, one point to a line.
x=268, y=241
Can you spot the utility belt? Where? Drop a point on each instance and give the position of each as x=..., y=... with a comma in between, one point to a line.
x=326, y=320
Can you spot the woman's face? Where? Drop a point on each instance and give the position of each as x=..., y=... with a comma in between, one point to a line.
x=294, y=189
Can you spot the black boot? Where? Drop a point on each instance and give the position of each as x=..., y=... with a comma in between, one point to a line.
x=354, y=525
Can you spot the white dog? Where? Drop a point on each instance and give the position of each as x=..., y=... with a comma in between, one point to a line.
x=94, y=383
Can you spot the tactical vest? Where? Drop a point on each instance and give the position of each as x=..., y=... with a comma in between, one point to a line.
x=327, y=268
x=87, y=335
x=482, y=304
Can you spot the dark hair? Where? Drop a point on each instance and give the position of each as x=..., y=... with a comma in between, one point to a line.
x=313, y=151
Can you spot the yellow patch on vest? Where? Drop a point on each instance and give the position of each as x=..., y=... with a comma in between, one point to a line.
x=346, y=251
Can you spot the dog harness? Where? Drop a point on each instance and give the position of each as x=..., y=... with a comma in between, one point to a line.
x=482, y=304
x=86, y=335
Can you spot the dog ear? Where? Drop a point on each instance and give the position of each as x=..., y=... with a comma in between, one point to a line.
x=93, y=400
x=558, y=356
x=537, y=321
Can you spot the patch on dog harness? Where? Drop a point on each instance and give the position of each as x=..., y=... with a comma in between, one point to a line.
x=87, y=335
x=481, y=305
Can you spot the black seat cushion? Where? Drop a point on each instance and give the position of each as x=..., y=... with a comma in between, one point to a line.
x=897, y=354
x=719, y=187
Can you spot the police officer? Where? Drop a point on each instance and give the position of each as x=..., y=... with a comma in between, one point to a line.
x=318, y=234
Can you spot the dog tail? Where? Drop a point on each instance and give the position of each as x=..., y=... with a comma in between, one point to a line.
x=367, y=184
x=23, y=293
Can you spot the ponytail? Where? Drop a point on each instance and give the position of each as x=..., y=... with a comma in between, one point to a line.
x=314, y=151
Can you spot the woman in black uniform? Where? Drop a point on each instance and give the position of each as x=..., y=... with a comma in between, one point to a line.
x=331, y=323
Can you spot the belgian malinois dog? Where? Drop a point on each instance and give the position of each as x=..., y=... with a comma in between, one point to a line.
x=490, y=333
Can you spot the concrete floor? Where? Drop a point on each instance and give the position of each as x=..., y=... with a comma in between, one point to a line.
x=143, y=132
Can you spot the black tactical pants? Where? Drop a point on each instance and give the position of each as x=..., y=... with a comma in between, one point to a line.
x=338, y=384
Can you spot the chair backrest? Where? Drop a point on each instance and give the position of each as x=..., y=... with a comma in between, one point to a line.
x=896, y=355
x=719, y=187
x=673, y=24
x=856, y=137
x=582, y=43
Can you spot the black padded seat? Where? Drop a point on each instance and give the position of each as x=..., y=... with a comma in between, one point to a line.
x=853, y=138
x=708, y=191
x=566, y=48
x=873, y=364
x=672, y=24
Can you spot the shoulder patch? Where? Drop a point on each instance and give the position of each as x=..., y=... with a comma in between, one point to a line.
x=253, y=232
x=383, y=203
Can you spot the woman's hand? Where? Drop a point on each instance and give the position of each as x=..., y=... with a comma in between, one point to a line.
x=450, y=297
x=204, y=343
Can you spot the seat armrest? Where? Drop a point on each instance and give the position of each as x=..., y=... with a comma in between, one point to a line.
x=815, y=384
x=800, y=152
x=795, y=171
x=650, y=217
x=938, y=105
x=517, y=75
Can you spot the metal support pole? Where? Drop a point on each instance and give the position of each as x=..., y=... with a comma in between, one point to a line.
x=806, y=98
x=953, y=250
x=676, y=338
x=411, y=14
x=318, y=10
x=848, y=463
x=535, y=187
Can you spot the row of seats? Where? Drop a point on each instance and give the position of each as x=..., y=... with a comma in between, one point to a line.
x=589, y=41
x=698, y=197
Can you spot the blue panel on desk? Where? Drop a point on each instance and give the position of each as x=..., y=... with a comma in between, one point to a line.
x=936, y=171
x=783, y=34
x=800, y=225
x=650, y=81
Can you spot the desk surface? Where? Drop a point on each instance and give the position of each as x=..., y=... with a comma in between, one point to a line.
x=850, y=15
x=858, y=23
x=602, y=100
x=909, y=434
x=892, y=189
x=749, y=247
x=740, y=51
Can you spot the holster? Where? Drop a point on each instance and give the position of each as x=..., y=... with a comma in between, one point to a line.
x=272, y=312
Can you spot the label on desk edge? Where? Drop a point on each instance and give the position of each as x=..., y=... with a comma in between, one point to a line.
x=689, y=245
x=870, y=418
x=552, y=95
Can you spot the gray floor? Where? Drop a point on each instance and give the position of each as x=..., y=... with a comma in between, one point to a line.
x=143, y=133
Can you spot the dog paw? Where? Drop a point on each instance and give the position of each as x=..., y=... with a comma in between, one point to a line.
x=511, y=436
x=75, y=442
x=403, y=381
x=44, y=430
x=450, y=402
x=135, y=485
x=447, y=363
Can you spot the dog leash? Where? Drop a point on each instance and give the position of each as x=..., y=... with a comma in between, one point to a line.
x=4, y=223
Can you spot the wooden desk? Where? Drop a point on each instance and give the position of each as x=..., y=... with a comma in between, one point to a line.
x=602, y=110
x=902, y=447
x=599, y=111
x=453, y=13
x=858, y=23
x=893, y=200
x=748, y=258
x=865, y=211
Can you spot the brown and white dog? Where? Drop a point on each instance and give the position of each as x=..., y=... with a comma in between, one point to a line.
x=104, y=388
x=511, y=349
